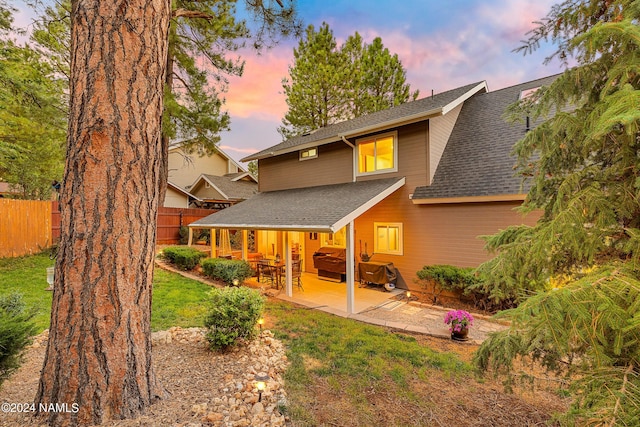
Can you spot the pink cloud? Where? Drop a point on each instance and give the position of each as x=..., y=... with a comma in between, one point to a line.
x=258, y=92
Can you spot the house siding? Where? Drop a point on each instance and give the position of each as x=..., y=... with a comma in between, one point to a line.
x=334, y=165
x=437, y=234
x=440, y=128
x=175, y=199
x=184, y=171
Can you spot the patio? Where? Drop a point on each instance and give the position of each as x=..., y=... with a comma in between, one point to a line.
x=331, y=296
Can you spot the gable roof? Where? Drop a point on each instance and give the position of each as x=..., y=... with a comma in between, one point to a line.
x=303, y=209
x=406, y=113
x=477, y=160
x=181, y=190
x=230, y=186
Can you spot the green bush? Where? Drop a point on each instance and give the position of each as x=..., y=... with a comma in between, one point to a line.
x=185, y=258
x=184, y=235
x=16, y=328
x=227, y=269
x=232, y=315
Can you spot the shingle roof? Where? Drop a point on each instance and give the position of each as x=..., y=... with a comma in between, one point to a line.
x=477, y=160
x=303, y=208
x=333, y=133
x=234, y=190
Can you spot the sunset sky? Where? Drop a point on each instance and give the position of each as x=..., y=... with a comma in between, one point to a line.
x=442, y=44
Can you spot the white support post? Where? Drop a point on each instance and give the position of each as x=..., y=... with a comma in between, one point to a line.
x=350, y=269
x=190, y=236
x=288, y=262
x=245, y=245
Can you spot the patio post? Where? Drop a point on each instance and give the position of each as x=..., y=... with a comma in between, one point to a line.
x=190, y=236
x=287, y=266
x=350, y=269
x=245, y=245
x=213, y=234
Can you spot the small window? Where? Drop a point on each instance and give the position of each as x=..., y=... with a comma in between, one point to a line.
x=309, y=153
x=377, y=155
x=207, y=185
x=388, y=238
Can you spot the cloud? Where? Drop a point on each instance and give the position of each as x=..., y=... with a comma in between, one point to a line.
x=258, y=92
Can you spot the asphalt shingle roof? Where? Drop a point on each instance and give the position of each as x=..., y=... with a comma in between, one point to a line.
x=477, y=160
x=301, y=208
x=334, y=132
x=234, y=190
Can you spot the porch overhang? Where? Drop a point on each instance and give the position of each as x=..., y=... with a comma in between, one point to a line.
x=326, y=208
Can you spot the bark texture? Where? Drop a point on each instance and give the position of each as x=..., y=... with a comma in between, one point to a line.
x=99, y=351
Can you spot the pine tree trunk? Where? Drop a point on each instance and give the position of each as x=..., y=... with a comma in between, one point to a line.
x=98, y=359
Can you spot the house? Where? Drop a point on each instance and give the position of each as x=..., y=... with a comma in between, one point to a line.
x=178, y=197
x=413, y=185
x=219, y=192
x=185, y=168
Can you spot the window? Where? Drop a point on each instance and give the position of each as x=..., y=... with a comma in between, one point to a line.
x=388, y=238
x=377, y=155
x=309, y=153
x=527, y=93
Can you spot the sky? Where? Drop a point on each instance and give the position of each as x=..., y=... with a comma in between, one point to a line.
x=442, y=44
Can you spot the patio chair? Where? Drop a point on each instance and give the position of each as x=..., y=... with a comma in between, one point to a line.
x=269, y=273
x=296, y=273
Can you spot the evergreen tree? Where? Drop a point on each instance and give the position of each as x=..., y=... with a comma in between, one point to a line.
x=583, y=163
x=32, y=118
x=328, y=84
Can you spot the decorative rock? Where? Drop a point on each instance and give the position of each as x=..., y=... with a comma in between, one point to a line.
x=213, y=417
x=257, y=408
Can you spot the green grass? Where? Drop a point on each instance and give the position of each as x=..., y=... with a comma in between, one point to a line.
x=177, y=301
x=350, y=357
x=28, y=276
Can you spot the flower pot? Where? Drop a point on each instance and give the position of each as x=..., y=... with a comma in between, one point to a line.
x=461, y=335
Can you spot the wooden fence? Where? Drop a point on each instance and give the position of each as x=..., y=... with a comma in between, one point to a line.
x=169, y=222
x=25, y=227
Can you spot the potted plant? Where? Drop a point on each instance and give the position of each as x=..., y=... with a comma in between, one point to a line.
x=459, y=322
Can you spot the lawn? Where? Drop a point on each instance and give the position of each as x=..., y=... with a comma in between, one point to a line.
x=341, y=372
x=177, y=301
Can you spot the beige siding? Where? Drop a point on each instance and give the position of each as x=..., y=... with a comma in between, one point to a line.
x=183, y=171
x=334, y=165
x=438, y=234
x=175, y=199
x=201, y=191
x=440, y=129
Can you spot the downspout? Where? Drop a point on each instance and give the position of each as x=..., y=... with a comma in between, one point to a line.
x=353, y=147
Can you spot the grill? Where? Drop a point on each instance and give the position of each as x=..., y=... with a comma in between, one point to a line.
x=378, y=273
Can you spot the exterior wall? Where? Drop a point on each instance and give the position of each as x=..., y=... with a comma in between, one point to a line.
x=440, y=129
x=174, y=199
x=184, y=172
x=203, y=192
x=437, y=234
x=334, y=165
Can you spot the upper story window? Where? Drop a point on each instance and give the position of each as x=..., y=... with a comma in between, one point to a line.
x=378, y=154
x=309, y=153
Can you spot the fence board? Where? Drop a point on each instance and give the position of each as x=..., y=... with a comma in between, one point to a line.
x=25, y=227
x=168, y=226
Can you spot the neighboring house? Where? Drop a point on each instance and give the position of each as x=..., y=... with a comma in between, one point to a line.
x=219, y=192
x=414, y=185
x=185, y=168
x=178, y=197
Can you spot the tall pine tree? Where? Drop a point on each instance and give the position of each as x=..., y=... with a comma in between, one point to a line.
x=583, y=164
x=328, y=84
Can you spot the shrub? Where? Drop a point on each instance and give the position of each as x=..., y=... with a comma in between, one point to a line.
x=227, y=269
x=185, y=258
x=232, y=315
x=16, y=328
x=445, y=278
x=184, y=235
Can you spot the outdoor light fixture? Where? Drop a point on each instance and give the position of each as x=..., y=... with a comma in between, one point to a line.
x=260, y=323
x=235, y=282
x=50, y=275
x=408, y=295
x=261, y=384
